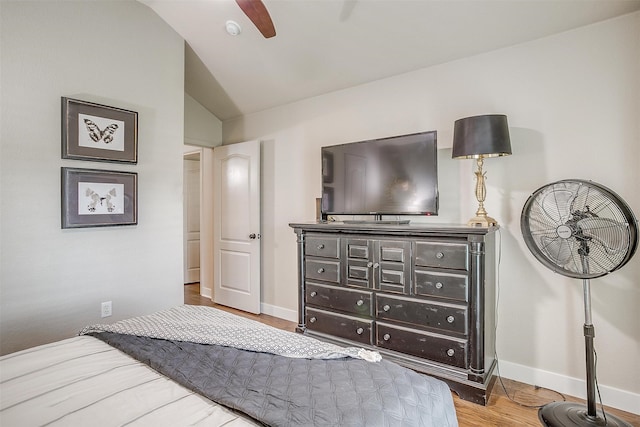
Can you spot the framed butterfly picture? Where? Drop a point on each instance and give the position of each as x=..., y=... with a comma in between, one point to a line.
x=98, y=198
x=98, y=132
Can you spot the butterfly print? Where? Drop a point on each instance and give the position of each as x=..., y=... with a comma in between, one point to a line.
x=96, y=134
x=97, y=198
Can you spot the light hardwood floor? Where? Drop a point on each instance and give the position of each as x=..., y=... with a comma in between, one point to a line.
x=514, y=411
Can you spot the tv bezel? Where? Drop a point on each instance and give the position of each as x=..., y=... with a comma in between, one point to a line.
x=380, y=213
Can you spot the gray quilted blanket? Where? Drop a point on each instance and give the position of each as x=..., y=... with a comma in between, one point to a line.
x=208, y=325
x=284, y=391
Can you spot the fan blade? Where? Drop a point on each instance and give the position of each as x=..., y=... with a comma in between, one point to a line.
x=557, y=249
x=612, y=235
x=257, y=12
x=557, y=204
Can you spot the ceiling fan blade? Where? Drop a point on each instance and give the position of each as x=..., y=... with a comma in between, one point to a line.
x=257, y=12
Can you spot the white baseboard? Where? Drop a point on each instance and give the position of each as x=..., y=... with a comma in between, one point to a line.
x=613, y=397
x=206, y=292
x=279, y=312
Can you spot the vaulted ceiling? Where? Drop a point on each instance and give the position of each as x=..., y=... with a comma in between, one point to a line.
x=327, y=45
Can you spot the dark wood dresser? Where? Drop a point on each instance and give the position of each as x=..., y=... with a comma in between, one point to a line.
x=422, y=295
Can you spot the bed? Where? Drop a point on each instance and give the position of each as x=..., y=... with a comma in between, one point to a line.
x=201, y=366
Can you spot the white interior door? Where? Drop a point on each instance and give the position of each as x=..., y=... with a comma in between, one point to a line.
x=192, y=218
x=236, y=230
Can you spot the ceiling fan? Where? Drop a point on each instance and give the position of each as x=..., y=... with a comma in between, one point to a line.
x=257, y=12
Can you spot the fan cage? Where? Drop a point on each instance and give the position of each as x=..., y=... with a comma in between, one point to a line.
x=579, y=228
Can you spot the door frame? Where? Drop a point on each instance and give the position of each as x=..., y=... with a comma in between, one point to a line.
x=193, y=156
x=206, y=216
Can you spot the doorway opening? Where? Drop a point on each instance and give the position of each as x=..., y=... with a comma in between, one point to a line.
x=191, y=217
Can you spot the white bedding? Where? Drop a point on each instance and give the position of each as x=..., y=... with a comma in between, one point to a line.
x=82, y=381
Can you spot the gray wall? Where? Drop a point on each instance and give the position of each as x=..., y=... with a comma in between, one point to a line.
x=201, y=128
x=573, y=104
x=117, y=53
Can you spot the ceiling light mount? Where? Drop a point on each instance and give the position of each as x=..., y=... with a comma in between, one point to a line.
x=233, y=28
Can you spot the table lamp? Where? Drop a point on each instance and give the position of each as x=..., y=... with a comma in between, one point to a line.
x=479, y=137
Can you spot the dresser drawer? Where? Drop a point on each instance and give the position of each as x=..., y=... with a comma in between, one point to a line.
x=434, y=347
x=445, y=317
x=358, y=248
x=347, y=300
x=394, y=270
x=338, y=325
x=326, y=247
x=443, y=285
x=359, y=272
x=442, y=255
x=328, y=271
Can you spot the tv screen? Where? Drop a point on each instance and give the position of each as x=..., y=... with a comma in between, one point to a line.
x=389, y=176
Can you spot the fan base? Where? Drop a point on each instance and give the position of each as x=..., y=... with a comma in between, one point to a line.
x=565, y=414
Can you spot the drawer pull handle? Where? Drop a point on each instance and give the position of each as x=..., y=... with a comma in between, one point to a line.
x=450, y=319
x=313, y=320
x=450, y=352
x=439, y=255
x=313, y=294
x=359, y=302
x=386, y=337
x=386, y=307
x=320, y=246
x=369, y=264
x=321, y=270
x=359, y=331
x=439, y=285
x=376, y=265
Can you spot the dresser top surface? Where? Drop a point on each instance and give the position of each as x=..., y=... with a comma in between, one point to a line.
x=408, y=229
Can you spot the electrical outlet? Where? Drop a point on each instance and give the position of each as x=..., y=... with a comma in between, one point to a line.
x=106, y=309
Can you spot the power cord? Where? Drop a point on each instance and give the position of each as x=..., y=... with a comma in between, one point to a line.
x=595, y=377
x=495, y=355
x=504, y=388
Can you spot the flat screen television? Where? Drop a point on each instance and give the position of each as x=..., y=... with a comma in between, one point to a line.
x=389, y=176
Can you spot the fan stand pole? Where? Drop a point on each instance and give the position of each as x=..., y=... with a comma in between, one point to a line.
x=567, y=414
x=589, y=335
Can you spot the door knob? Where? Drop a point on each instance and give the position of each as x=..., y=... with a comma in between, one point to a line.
x=252, y=236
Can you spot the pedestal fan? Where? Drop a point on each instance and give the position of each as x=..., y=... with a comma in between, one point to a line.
x=582, y=230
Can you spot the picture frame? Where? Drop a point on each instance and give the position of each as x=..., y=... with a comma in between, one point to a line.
x=98, y=132
x=98, y=198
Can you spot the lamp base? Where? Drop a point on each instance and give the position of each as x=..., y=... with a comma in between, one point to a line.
x=482, y=221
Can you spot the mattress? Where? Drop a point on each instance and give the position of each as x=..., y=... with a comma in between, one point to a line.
x=202, y=366
x=82, y=381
